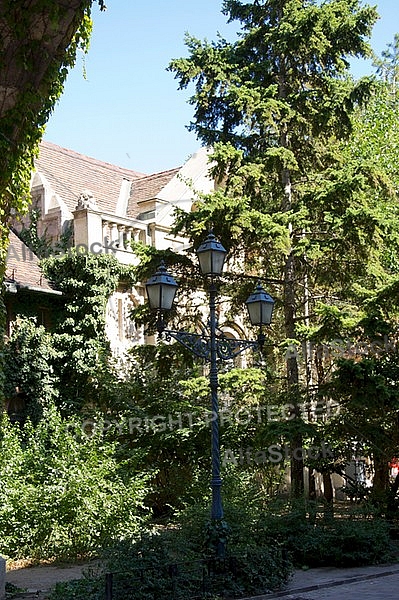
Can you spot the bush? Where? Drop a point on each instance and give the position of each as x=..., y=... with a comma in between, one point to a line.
x=168, y=563
x=62, y=493
x=172, y=563
x=350, y=543
x=28, y=358
x=343, y=541
x=87, y=588
x=167, y=566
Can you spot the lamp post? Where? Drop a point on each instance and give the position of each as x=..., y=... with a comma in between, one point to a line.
x=211, y=344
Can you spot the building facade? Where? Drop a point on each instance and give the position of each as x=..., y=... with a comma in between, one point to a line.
x=100, y=208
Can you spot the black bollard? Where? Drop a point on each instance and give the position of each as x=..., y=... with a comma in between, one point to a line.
x=108, y=586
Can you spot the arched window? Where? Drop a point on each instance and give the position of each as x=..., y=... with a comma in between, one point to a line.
x=233, y=331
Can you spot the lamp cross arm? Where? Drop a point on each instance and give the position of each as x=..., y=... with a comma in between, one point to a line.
x=200, y=344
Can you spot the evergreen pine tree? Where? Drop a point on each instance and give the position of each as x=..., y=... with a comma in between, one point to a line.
x=275, y=106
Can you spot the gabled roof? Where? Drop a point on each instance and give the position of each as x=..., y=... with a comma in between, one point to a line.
x=22, y=268
x=70, y=173
x=148, y=188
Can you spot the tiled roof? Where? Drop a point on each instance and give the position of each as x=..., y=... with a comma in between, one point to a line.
x=23, y=266
x=70, y=173
x=147, y=188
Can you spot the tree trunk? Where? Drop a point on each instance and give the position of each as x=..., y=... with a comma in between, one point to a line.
x=35, y=47
x=297, y=476
x=380, y=479
x=328, y=496
x=312, y=485
x=296, y=442
x=35, y=36
x=392, y=507
x=35, y=39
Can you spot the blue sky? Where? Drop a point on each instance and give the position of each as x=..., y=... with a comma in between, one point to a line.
x=128, y=110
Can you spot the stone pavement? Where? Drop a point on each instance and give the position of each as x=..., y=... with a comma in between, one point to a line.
x=360, y=583
x=37, y=581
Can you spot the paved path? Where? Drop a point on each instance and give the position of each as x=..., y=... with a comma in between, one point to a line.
x=38, y=580
x=361, y=583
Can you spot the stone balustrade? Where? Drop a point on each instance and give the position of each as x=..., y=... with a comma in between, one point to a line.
x=102, y=232
x=118, y=233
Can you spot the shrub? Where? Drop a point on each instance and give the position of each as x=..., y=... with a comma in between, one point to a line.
x=87, y=588
x=171, y=563
x=168, y=563
x=62, y=493
x=343, y=541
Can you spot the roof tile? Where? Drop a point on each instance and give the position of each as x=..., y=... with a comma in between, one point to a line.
x=148, y=188
x=70, y=173
x=23, y=266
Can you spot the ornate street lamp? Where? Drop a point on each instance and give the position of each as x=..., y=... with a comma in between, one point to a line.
x=211, y=255
x=211, y=344
x=260, y=309
x=161, y=289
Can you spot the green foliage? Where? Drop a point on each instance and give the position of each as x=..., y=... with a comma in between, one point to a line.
x=346, y=541
x=217, y=534
x=87, y=280
x=82, y=485
x=87, y=588
x=143, y=569
x=29, y=357
x=369, y=401
x=13, y=591
x=276, y=106
x=63, y=493
x=34, y=106
x=164, y=408
x=72, y=364
x=168, y=426
x=306, y=164
x=83, y=353
x=260, y=544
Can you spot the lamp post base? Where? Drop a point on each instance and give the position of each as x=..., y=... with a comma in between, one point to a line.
x=216, y=537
